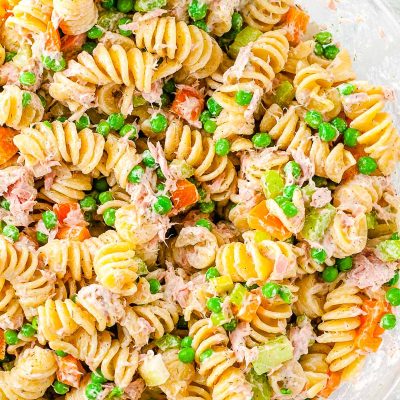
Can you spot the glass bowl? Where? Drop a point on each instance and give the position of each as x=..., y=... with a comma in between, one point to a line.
x=370, y=30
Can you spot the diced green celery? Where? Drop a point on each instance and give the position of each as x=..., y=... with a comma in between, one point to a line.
x=153, y=370
x=272, y=184
x=372, y=222
x=272, y=354
x=317, y=222
x=260, y=385
x=108, y=20
x=181, y=168
x=142, y=267
x=243, y=38
x=308, y=191
x=284, y=94
x=222, y=283
x=260, y=236
x=138, y=101
x=149, y=5
x=238, y=294
x=168, y=341
x=389, y=250
x=219, y=318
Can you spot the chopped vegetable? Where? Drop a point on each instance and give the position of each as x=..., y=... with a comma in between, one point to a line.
x=77, y=233
x=52, y=38
x=188, y=104
x=260, y=386
x=243, y=38
x=249, y=307
x=317, y=222
x=333, y=383
x=222, y=284
x=168, y=341
x=149, y=5
x=238, y=294
x=70, y=370
x=389, y=250
x=7, y=146
x=284, y=94
x=184, y=195
x=295, y=22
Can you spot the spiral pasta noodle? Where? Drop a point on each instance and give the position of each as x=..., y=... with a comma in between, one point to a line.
x=11, y=314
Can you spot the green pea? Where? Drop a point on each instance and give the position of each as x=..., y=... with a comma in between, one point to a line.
x=61, y=353
x=292, y=168
x=210, y=126
x=155, y=286
x=206, y=354
x=163, y=205
x=148, y=159
x=26, y=99
x=88, y=203
x=93, y=390
x=158, y=123
x=160, y=187
x=89, y=47
x=124, y=21
x=116, y=121
x=340, y=124
x=327, y=132
x=74, y=298
x=186, y=355
x=243, y=98
x=344, y=264
x=97, y=376
x=9, y=56
x=27, y=78
x=270, y=290
x=320, y=182
x=109, y=216
x=11, y=337
x=394, y=280
x=59, y=64
x=49, y=219
x=230, y=326
x=205, y=116
x=125, y=6
x=149, y=5
x=41, y=238
x=116, y=392
x=165, y=100
x=107, y=4
x=214, y=304
x=197, y=10
x=186, y=342
x=28, y=330
x=35, y=322
x=169, y=86
x=60, y=388
x=12, y=232
x=393, y=296
x=331, y=51
x=288, y=191
x=323, y=37
x=105, y=197
x=222, y=147
x=160, y=174
x=83, y=122
x=5, y=204
x=62, y=119
x=313, y=119
x=330, y=274
x=285, y=294
x=395, y=236
x=318, y=49
x=346, y=89
x=350, y=137
x=205, y=223
x=95, y=32
x=212, y=273
x=286, y=391
x=237, y=21
x=388, y=321
x=261, y=140
x=103, y=127
x=101, y=185
x=207, y=207
x=367, y=165
x=318, y=255
x=214, y=108
x=135, y=176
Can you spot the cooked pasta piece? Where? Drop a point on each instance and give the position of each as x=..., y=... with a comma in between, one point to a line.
x=11, y=314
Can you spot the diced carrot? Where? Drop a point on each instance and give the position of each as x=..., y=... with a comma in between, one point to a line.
x=2, y=345
x=185, y=195
x=369, y=333
x=72, y=45
x=295, y=22
x=53, y=41
x=188, y=103
x=63, y=209
x=259, y=218
x=333, y=382
x=78, y=233
x=249, y=307
x=7, y=146
x=70, y=370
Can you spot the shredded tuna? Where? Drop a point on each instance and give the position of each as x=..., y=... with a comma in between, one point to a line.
x=237, y=69
x=254, y=103
x=321, y=197
x=237, y=338
x=154, y=96
x=369, y=271
x=134, y=25
x=134, y=390
x=300, y=336
x=306, y=165
x=75, y=218
x=176, y=289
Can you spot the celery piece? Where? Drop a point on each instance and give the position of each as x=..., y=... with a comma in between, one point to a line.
x=149, y=5
x=272, y=354
x=272, y=184
x=222, y=283
x=243, y=38
x=219, y=318
x=260, y=386
x=181, y=168
x=138, y=101
x=284, y=94
x=372, y=222
x=108, y=20
x=389, y=250
x=260, y=236
x=238, y=294
x=153, y=370
x=168, y=341
x=317, y=222
x=142, y=267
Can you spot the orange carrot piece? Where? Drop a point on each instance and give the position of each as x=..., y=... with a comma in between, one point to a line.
x=53, y=41
x=185, y=195
x=70, y=370
x=7, y=146
x=72, y=45
x=78, y=233
x=295, y=22
x=333, y=383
